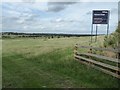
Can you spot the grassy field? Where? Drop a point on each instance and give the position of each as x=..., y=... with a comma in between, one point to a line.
x=41, y=63
x=0, y=64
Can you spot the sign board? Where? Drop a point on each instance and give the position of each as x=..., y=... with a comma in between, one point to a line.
x=100, y=17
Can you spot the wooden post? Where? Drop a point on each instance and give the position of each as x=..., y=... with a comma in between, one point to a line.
x=118, y=61
x=118, y=56
x=90, y=52
x=118, y=65
x=90, y=56
x=75, y=49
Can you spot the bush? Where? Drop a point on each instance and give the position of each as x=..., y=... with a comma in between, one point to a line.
x=113, y=40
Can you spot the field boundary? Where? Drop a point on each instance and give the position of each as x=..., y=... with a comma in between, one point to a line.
x=92, y=59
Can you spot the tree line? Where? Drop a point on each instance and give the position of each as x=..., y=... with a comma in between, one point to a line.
x=48, y=35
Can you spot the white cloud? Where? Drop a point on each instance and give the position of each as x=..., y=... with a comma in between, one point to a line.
x=21, y=21
x=42, y=27
x=25, y=27
x=76, y=18
x=59, y=20
x=62, y=0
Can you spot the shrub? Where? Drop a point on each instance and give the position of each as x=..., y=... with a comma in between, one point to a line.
x=113, y=40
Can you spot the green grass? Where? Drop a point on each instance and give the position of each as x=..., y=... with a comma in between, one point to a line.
x=38, y=63
x=0, y=64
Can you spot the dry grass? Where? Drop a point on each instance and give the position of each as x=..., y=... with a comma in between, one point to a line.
x=48, y=63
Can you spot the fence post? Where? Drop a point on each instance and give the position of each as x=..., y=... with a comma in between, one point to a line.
x=75, y=49
x=90, y=56
x=118, y=57
x=118, y=61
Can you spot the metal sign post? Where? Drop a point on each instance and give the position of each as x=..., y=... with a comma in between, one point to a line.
x=96, y=32
x=91, y=32
x=99, y=17
x=108, y=23
x=107, y=30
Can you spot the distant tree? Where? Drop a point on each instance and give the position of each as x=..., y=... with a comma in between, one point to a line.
x=52, y=37
x=58, y=37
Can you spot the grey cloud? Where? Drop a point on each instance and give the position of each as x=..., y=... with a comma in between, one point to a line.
x=58, y=6
x=59, y=3
x=9, y=20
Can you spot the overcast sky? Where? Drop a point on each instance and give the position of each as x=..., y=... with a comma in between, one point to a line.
x=55, y=17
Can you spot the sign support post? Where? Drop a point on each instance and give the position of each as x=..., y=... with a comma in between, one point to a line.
x=91, y=32
x=107, y=30
x=96, y=32
x=108, y=23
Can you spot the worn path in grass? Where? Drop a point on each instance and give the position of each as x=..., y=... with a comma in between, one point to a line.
x=48, y=63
